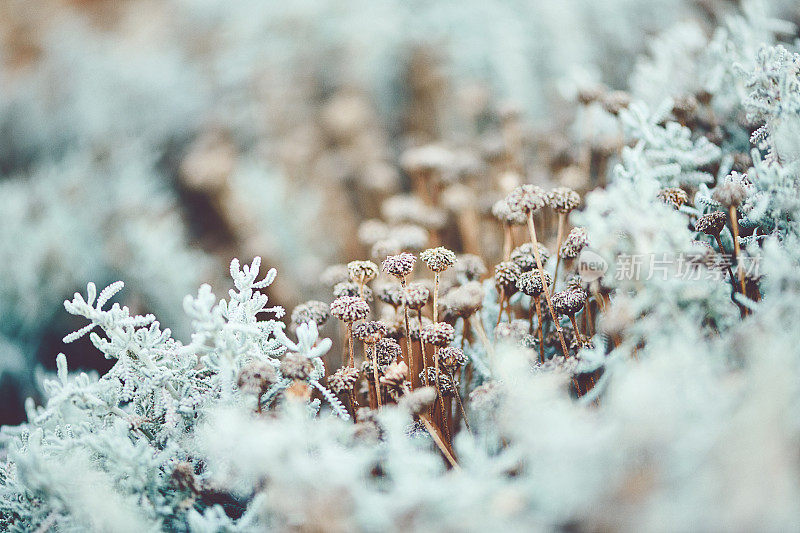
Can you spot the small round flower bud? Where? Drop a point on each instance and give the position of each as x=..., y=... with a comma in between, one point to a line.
x=369, y=332
x=296, y=366
x=399, y=265
x=462, y=302
x=256, y=377
x=711, y=223
x=343, y=380
x=419, y=400
x=446, y=385
x=348, y=288
x=503, y=212
x=568, y=302
x=505, y=276
x=576, y=241
x=526, y=199
x=439, y=334
x=311, y=311
x=674, y=196
x=395, y=375
x=362, y=271
x=416, y=295
x=388, y=350
x=334, y=274
x=524, y=257
x=350, y=308
x=452, y=358
x=470, y=266
x=732, y=191
x=438, y=259
x=416, y=325
x=530, y=282
x=563, y=199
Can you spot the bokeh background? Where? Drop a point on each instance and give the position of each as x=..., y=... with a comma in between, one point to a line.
x=152, y=141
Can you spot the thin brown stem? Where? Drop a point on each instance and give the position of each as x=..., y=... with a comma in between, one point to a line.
x=730, y=272
x=539, y=327
x=408, y=333
x=375, y=375
x=735, y=226
x=435, y=298
x=502, y=304
x=475, y=320
x=562, y=221
x=437, y=439
x=458, y=401
x=537, y=255
x=351, y=362
x=507, y=242
x=577, y=329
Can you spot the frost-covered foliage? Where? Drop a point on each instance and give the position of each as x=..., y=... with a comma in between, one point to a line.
x=672, y=407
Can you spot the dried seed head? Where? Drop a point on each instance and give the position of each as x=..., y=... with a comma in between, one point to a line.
x=530, y=282
x=416, y=325
x=388, y=350
x=384, y=247
x=526, y=199
x=439, y=334
x=486, y=397
x=395, y=375
x=429, y=157
x=470, y=266
x=343, y=380
x=391, y=293
x=296, y=366
x=503, y=212
x=452, y=358
x=505, y=276
x=711, y=223
x=568, y=302
x=407, y=209
x=417, y=295
x=590, y=94
x=616, y=101
x=575, y=283
x=334, y=274
x=369, y=332
x=399, y=265
x=462, y=302
x=524, y=258
x=348, y=288
x=576, y=241
x=410, y=236
x=311, y=311
x=371, y=231
x=256, y=377
x=350, y=309
x=511, y=332
x=362, y=271
x=733, y=190
x=563, y=199
x=366, y=369
x=438, y=259
x=446, y=385
x=674, y=196
x=419, y=400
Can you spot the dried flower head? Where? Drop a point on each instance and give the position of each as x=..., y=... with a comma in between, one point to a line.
x=530, y=282
x=350, y=308
x=439, y=334
x=388, y=350
x=576, y=241
x=371, y=231
x=511, y=332
x=438, y=259
x=384, y=247
x=526, y=199
x=674, y=196
x=470, y=266
x=334, y=274
x=568, y=302
x=256, y=377
x=415, y=324
x=446, y=385
x=362, y=271
x=369, y=332
x=395, y=375
x=296, y=366
x=417, y=295
x=733, y=190
x=503, y=212
x=575, y=283
x=505, y=276
x=348, y=288
x=419, y=400
x=616, y=101
x=391, y=293
x=452, y=358
x=524, y=257
x=563, y=199
x=711, y=223
x=462, y=302
x=311, y=311
x=343, y=380
x=409, y=236
x=399, y=265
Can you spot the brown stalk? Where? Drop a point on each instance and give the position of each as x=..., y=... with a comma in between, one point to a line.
x=458, y=401
x=562, y=222
x=537, y=255
x=437, y=439
x=351, y=362
x=541, y=331
x=410, y=356
x=735, y=226
x=375, y=375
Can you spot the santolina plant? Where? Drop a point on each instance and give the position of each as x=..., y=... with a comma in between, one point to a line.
x=480, y=381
